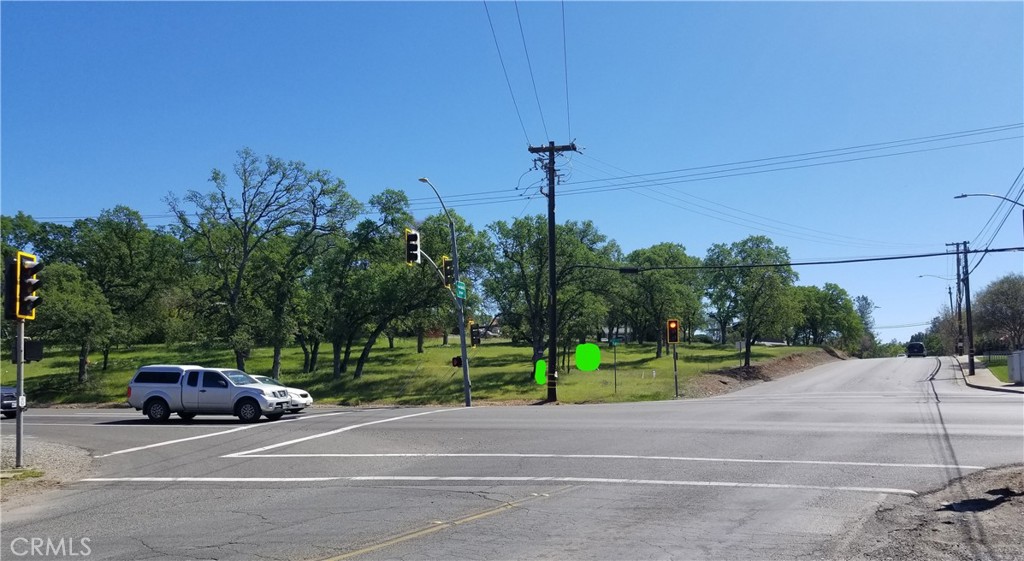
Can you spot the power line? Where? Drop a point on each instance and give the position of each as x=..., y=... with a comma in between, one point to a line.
x=530, y=66
x=565, y=65
x=750, y=170
x=505, y=71
x=832, y=152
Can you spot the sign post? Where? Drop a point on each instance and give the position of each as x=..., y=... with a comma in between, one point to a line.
x=675, y=367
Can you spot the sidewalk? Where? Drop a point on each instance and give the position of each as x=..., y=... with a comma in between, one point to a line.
x=983, y=379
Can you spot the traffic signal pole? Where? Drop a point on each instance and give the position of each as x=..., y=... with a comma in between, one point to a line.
x=20, y=420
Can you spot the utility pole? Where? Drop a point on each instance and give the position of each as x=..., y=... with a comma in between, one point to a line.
x=970, y=325
x=549, y=167
x=959, y=303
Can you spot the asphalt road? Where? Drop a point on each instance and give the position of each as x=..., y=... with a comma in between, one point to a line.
x=782, y=470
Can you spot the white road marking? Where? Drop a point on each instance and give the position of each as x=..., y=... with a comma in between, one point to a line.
x=431, y=478
x=208, y=479
x=329, y=433
x=212, y=434
x=616, y=457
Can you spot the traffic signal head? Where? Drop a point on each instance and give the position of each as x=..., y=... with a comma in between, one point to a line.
x=448, y=269
x=474, y=334
x=27, y=283
x=412, y=247
x=673, y=331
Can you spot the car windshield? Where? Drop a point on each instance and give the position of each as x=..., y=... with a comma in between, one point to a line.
x=240, y=378
x=267, y=380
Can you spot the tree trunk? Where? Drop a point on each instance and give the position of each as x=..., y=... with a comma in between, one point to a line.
x=746, y=344
x=419, y=341
x=106, y=357
x=337, y=358
x=240, y=359
x=275, y=370
x=314, y=356
x=366, y=353
x=444, y=339
x=391, y=340
x=305, y=354
x=83, y=363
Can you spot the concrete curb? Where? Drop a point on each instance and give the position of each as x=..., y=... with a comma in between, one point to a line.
x=980, y=387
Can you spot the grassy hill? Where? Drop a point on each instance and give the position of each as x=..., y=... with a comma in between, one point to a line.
x=499, y=370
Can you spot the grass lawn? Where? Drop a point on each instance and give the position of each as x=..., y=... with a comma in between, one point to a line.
x=998, y=366
x=499, y=370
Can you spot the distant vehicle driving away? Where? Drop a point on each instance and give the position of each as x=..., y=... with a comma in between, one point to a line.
x=916, y=349
x=300, y=399
x=188, y=390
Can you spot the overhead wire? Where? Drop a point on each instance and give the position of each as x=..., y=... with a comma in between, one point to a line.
x=841, y=151
x=1009, y=210
x=530, y=66
x=565, y=66
x=505, y=71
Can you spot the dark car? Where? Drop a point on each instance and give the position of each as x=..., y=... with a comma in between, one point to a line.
x=9, y=401
x=916, y=349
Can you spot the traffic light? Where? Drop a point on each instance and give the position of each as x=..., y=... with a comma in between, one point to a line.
x=448, y=269
x=412, y=247
x=673, y=331
x=474, y=333
x=26, y=269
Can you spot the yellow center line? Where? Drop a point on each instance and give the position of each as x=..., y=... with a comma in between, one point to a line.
x=436, y=527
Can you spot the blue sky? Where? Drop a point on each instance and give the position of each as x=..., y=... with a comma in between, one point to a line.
x=121, y=103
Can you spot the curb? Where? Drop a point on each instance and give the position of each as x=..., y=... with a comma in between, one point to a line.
x=977, y=387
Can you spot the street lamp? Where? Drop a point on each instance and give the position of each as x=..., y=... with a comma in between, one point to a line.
x=459, y=304
x=1011, y=201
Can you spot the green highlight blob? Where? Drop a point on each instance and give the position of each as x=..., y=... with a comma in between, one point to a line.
x=588, y=357
x=540, y=370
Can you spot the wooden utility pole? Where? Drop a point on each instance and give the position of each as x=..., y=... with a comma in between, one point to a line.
x=549, y=167
x=967, y=305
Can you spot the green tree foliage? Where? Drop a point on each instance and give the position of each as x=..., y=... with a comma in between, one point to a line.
x=74, y=312
x=657, y=295
x=518, y=283
x=999, y=311
x=827, y=316
x=755, y=286
x=276, y=199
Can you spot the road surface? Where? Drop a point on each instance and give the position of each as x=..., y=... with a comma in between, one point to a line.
x=782, y=470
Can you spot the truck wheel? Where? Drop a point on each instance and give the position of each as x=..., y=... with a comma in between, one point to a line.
x=187, y=416
x=157, y=410
x=248, y=411
x=275, y=416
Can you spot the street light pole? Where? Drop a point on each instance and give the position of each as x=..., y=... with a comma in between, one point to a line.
x=1011, y=201
x=459, y=303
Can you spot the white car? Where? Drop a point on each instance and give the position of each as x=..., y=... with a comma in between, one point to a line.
x=300, y=399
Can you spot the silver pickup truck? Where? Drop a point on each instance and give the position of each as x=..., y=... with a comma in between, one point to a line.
x=188, y=390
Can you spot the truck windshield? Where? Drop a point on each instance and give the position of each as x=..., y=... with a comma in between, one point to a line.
x=239, y=378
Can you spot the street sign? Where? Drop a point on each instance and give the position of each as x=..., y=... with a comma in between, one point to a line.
x=460, y=289
x=616, y=341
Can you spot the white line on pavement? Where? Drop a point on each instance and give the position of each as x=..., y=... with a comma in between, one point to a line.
x=237, y=429
x=430, y=478
x=333, y=432
x=617, y=457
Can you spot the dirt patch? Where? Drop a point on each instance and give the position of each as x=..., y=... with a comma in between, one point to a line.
x=731, y=379
x=976, y=517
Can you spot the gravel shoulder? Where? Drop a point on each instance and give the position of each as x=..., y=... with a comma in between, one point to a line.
x=978, y=517
x=59, y=463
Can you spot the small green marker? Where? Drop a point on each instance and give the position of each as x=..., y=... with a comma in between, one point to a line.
x=588, y=357
x=540, y=370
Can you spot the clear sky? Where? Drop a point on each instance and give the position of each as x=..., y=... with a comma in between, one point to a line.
x=122, y=102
